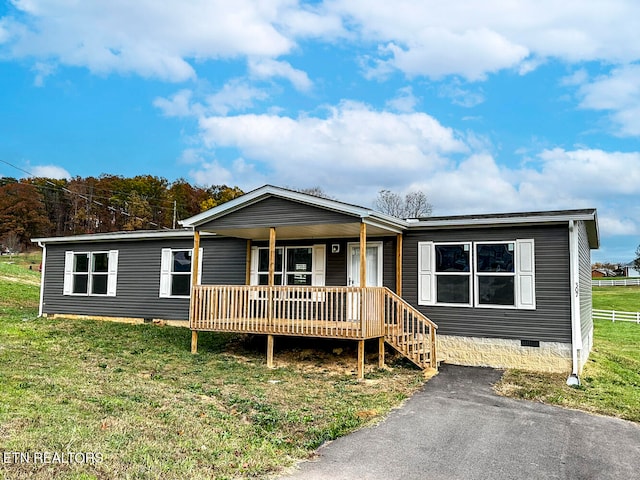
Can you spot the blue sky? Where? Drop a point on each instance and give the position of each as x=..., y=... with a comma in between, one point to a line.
x=486, y=106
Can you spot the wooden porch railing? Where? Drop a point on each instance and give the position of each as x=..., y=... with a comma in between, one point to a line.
x=340, y=312
x=356, y=313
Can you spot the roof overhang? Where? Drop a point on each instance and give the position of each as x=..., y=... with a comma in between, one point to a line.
x=377, y=223
x=589, y=216
x=118, y=236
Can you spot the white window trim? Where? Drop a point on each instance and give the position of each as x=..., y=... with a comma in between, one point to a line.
x=166, y=273
x=318, y=264
x=477, y=275
x=70, y=274
x=524, y=285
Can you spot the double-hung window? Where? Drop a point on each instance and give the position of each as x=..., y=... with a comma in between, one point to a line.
x=293, y=265
x=90, y=273
x=175, y=272
x=494, y=274
x=453, y=273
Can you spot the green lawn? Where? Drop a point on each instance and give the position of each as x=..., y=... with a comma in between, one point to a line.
x=611, y=377
x=625, y=299
x=135, y=394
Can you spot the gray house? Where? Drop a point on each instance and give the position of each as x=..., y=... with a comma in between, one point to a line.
x=506, y=290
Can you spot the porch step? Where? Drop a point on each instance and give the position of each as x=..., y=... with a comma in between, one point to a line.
x=409, y=332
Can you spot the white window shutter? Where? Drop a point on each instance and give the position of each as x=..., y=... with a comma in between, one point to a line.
x=319, y=265
x=112, y=279
x=253, y=271
x=165, y=273
x=426, y=280
x=68, y=273
x=525, y=275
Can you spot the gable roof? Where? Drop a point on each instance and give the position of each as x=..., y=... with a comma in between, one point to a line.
x=358, y=213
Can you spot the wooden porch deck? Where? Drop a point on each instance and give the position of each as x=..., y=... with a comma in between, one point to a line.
x=355, y=313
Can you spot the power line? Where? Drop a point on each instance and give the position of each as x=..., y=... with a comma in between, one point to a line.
x=91, y=200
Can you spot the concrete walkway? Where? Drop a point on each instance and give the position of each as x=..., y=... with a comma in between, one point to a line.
x=457, y=428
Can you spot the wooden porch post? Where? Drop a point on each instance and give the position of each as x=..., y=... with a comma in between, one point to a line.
x=194, y=341
x=381, y=352
x=272, y=255
x=195, y=260
x=399, y=265
x=360, y=359
x=363, y=254
x=270, y=342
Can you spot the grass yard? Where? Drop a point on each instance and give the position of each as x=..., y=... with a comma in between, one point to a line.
x=624, y=299
x=135, y=395
x=611, y=377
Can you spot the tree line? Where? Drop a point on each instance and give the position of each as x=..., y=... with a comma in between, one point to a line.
x=38, y=206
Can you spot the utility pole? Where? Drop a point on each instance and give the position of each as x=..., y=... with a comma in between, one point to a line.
x=174, y=214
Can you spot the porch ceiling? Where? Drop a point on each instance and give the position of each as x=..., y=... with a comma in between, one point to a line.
x=291, y=232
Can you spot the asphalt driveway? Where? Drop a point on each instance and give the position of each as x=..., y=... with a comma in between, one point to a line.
x=457, y=428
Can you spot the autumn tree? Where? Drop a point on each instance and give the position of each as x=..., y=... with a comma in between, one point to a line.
x=22, y=212
x=219, y=194
x=413, y=205
x=188, y=199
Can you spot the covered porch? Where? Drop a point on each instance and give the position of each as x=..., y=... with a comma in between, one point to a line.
x=315, y=289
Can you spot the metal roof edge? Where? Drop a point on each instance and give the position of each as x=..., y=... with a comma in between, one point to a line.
x=110, y=236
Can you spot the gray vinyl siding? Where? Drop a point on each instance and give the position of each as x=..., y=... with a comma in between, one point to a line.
x=138, y=283
x=550, y=321
x=585, y=288
x=274, y=212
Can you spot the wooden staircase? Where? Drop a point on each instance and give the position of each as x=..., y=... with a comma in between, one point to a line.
x=409, y=332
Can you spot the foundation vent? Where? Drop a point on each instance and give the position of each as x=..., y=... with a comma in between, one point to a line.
x=530, y=343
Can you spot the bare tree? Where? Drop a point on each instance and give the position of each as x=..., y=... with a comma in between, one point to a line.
x=413, y=205
x=12, y=242
x=316, y=191
x=636, y=261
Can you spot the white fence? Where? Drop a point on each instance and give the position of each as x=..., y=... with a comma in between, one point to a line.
x=616, y=283
x=615, y=316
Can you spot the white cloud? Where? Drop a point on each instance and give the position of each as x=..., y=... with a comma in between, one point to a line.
x=43, y=70
x=419, y=38
x=405, y=101
x=461, y=96
x=149, y=38
x=49, y=171
x=265, y=68
x=619, y=93
x=178, y=105
x=353, y=141
x=457, y=37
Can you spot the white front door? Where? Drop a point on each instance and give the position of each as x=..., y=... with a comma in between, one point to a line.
x=374, y=264
x=374, y=274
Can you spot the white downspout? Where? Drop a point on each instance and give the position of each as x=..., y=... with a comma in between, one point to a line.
x=44, y=262
x=576, y=331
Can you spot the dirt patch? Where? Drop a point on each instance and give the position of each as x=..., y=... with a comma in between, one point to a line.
x=26, y=281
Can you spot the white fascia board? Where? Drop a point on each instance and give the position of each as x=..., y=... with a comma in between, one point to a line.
x=119, y=236
x=462, y=222
x=391, y=228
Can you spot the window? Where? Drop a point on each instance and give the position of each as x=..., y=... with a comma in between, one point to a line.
x=491, y=274
x=495, y=274
x=293, y=265
x=263, y=266
x=175, y=272
x=453, y=273
x=90, y=273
